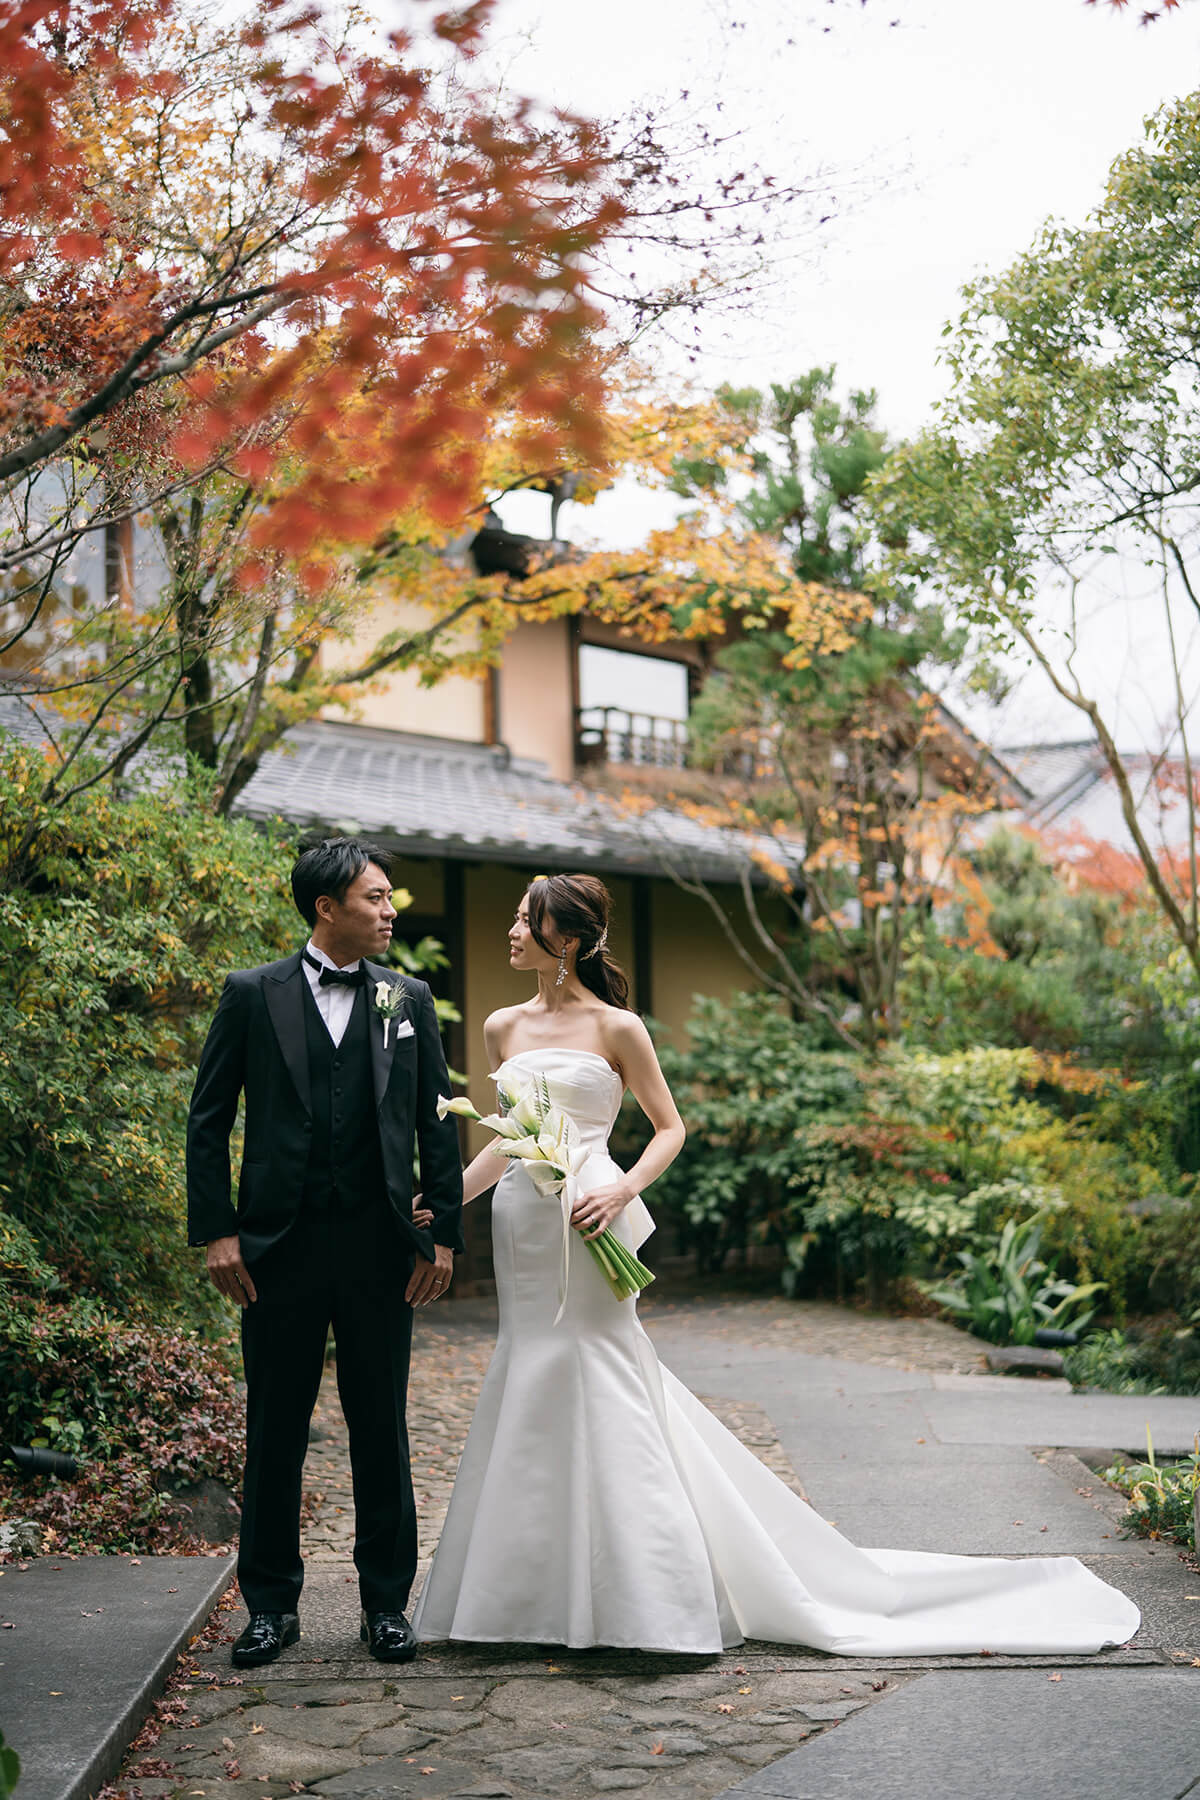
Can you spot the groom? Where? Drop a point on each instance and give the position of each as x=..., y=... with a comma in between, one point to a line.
x=341, y=1065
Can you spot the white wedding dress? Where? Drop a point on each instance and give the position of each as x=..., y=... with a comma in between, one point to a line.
x=598, y=1503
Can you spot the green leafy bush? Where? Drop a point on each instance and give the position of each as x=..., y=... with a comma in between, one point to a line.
x=1108, y=1361
x=1005, y=1293
x=10, y=1768
x=1161, y=1497
x=146, y=1411
x=118, y=922
x=747, y=1080
x=116, y=933
x=865, y=1174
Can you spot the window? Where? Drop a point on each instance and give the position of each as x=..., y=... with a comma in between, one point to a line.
x=632, y=709
x=649, y=685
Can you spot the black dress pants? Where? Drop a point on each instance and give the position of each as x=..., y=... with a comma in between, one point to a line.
x=348, y=1272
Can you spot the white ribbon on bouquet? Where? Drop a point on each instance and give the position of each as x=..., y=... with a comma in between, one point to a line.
x=592, y=1171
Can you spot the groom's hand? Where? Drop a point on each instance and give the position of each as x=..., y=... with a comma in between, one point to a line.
x=429, y=1280
x=228, y=1272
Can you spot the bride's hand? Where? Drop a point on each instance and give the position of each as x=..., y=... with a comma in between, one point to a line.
x=422, y=1215
x=593, y=1213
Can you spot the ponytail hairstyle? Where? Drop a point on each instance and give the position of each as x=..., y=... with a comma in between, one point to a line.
x=579, y=907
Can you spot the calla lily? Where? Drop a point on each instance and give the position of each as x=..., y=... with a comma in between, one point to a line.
x=507, y=1100
x=501, y=1125
x=461, y=1106
x=524, y=1147
x=526, y=1111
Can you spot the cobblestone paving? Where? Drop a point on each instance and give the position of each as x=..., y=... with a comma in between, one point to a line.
x=513, y=1722
x=817, y=1328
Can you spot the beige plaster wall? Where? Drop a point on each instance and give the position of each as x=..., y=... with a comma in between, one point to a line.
x=424, y=877
x=455, y=708
x=452, y=709
x=691, y=955
x=536, y=717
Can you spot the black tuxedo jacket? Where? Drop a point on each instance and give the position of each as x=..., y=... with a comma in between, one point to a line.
x=256, y=1046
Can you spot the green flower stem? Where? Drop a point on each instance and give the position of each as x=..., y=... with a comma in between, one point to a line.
x=623, y=1272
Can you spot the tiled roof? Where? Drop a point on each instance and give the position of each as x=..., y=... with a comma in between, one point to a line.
x=1075, y=795
x=438, y=797
x=20, y=721
x=1057, y=775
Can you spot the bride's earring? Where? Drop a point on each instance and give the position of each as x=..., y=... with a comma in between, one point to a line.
x=562, y=969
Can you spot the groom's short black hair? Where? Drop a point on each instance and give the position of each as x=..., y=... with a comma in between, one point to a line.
x=329, y=868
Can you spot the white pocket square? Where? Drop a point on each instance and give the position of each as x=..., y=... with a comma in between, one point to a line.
x=404, y=1028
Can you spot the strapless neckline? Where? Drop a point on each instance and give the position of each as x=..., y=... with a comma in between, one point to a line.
x=567, y=1050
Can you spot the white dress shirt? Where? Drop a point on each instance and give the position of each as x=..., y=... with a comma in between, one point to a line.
x=335, y=1003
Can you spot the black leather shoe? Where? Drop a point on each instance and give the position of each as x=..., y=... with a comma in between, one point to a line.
x=264, y=1637
x=388, y=1636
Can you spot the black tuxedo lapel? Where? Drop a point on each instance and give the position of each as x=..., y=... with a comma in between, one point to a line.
x=285, y=1004
x=381, y=1059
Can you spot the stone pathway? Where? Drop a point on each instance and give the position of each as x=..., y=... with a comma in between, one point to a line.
x=816, y=1328
x=505, y=1721
x=908, y=1397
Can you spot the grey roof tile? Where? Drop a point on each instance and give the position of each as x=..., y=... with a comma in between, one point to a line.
x=1057, y=775
x=439, y=797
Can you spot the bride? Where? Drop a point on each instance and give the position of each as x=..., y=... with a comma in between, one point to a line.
x=597, y=1502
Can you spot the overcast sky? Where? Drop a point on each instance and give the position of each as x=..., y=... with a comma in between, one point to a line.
x=948, y=137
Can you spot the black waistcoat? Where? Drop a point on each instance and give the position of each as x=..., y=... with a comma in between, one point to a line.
x=345, y=1166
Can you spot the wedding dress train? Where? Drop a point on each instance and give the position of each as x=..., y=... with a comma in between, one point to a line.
x=598, y=1503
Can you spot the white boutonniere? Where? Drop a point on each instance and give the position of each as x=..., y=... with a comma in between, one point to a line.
x=389, y=1004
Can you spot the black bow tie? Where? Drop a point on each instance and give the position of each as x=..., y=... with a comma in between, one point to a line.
x=350, y=978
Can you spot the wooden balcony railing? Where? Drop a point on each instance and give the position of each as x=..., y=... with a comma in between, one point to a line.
x=610, y=734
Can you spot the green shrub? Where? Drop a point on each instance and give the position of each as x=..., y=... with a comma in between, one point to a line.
x=1006, y=1294
x=1108, y=1361
x=115, y=933
x=747, y=1081
x=868, y=1173
x=1161, y=1497
x=116, y=929
x=10, y=1768
x=145, y=1410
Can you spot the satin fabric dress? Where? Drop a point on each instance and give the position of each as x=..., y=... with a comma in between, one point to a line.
x=599, y=1503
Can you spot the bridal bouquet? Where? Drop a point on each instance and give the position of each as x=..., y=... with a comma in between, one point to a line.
x=546, y=1140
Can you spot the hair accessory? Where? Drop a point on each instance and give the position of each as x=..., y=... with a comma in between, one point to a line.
x=600, y=944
